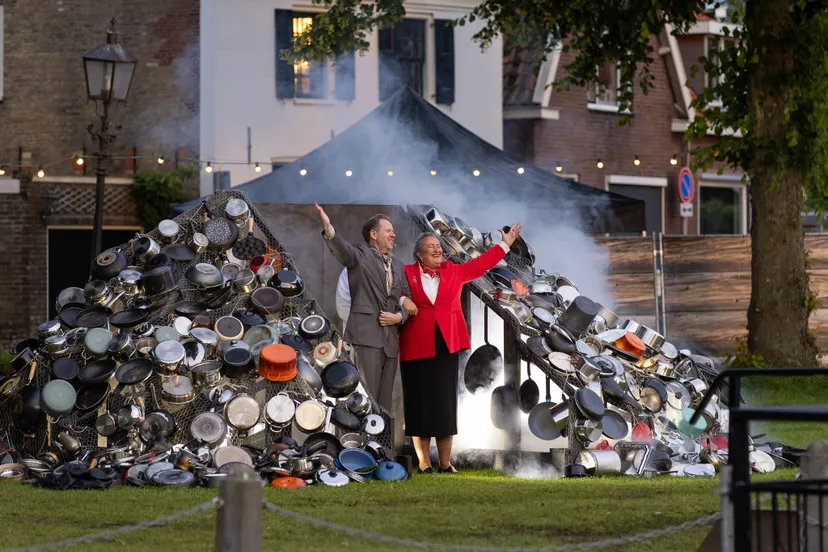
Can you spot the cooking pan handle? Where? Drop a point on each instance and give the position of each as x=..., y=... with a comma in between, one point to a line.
x=31, y=372
x=548, y=390
x=486, y=324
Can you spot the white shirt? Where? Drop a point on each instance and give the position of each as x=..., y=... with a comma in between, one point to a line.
x=343, y=296
x=432, y=285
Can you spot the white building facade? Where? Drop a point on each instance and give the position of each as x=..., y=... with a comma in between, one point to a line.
x=256, y=107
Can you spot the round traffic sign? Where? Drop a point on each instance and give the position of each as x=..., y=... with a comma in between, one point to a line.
x=686, y=185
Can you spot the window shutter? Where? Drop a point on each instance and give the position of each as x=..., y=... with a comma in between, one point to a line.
x=345, y=82
x=284, y=39
x=444, y=61
x=388, y=65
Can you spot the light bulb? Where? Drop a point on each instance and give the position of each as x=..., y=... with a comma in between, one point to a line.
x=160, y=159
x=79, y=161
x=433, y=172
x=476, y=172
x=600, y=164
x=40, y=172
x=2, y=170
x=520, y=170
x=258, y=168
x=209, y=167
x=348, y=172
x=559, y=167
x=303, y=172
x=636, y=161
x=390, y=173
x=674, y=160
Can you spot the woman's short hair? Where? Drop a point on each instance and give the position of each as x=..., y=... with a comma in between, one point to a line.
x=418, y=245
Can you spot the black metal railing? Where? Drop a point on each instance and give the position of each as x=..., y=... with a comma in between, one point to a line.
x=788, y=526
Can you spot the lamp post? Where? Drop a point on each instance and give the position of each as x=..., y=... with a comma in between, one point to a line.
x=108, y=70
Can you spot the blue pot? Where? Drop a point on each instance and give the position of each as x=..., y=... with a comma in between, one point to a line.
x=390, y=471
x=356, y=460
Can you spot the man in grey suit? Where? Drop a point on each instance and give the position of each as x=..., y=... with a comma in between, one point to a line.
x=379, y=291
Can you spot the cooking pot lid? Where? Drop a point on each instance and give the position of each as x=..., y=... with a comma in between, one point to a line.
x=226, y=455
x=312, y=323
x=90, y=397
x=194, y=352
x=97, y=371
x=208, y=427
x=243, y=412
x=93, y=317
x=97, y=341
x=182, y=325
x=238, y=356
x=297, y=342
x=236, y=208
x=229, y=326
x=169, y=352
x=249, y=317
x=373, y=424
x=207, y=366
x=129, y=276
x=166, y=333
x=174, y=478
x=133, y=372
x=561, y=361
x=280, y=409
x=50, y=326
x=268, y=298
x=589, y=403
x=168, y=228
x=58, y=397
x=128, y=318
x=204, y=335
x=156, y=425
x=669, y=350
x=157, y=468
x=65, y=368
x=332, y=477
x=70, y=295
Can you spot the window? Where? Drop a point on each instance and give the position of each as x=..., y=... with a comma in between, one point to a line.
x=607, y=86
x=402, y=57
x=648, y=189
x=309, y=79
x=713, y=44
x=722, y=209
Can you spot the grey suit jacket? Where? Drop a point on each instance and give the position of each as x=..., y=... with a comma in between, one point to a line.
x=369, y=295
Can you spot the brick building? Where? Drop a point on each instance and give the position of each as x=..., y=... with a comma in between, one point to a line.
x=572, y=131
x=45, y=222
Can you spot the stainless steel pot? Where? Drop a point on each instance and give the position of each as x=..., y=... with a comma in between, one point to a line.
x=279, y=412
x=129, y=416
x=245, y=281
x=178, y=390
x=145, y=248
x=649, y=336
x=600, y=462
x=168, y=355
x=207, y=374
x=48, y=329
x=130, y=281
x=168, y=230
x=122, y=347
x=310, y=416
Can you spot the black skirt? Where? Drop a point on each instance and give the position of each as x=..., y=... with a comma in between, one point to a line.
x=430, y=392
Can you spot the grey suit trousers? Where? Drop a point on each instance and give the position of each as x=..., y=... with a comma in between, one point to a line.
x=378, y=372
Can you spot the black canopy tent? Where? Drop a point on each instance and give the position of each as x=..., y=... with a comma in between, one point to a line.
x=407, y=151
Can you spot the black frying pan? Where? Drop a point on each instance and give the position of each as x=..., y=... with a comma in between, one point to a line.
x=249, y=246
x=97, y=372
x=93, y=317
x=614, y=425
x=128, y=318
x=332, y=445
x=345, y=419
x=178, y=252
x=133, y=372
x=504, y=408
x=528, y=394
x=91, y=396
x=484, y=364
x=27, y=409
x=521, y=248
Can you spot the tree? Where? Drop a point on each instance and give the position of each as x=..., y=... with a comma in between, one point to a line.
x=771, y=123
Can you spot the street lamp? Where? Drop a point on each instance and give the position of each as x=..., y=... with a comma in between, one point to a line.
x=108, y=70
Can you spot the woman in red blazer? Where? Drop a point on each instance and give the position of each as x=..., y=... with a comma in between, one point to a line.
x=431, y=340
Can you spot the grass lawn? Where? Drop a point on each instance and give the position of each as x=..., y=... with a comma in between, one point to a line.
x=478, y=507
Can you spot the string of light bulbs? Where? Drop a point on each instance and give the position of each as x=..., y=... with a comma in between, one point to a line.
x=80, y=160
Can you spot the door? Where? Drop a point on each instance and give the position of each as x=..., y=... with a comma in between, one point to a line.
x=70, y=257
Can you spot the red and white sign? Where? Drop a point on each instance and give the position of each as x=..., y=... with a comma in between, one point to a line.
x=686, y=185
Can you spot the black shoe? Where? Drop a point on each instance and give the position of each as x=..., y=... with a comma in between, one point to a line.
x=427, y=471
x=450, y=469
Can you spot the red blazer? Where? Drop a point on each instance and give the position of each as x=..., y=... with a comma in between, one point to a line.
x=417, y=335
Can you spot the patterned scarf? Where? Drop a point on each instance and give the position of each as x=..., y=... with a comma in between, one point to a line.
x=432, y=272
x=389, y=273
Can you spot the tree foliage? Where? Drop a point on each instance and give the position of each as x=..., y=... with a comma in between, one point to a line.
x=156, y=192
x=765, y=103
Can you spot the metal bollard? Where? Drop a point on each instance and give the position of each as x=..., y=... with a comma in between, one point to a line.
x=239, y=518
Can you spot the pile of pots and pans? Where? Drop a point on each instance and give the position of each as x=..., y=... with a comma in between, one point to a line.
x=628, y=393
x=184, y=348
